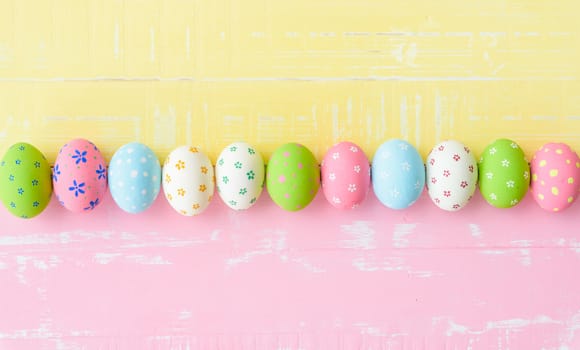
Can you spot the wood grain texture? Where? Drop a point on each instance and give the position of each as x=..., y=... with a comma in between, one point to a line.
x=210, y=72
x=370, y=278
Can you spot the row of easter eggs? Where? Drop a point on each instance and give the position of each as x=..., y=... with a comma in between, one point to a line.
x=80, y=176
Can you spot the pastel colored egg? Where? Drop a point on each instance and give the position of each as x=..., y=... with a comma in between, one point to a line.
x=25, y=181
x=134, y=177
x=293, y=177
x=504, y=174
x=451, y=175
x=555, y=171
x=398, y=174
x=188, y=180
x=240, y=175
x=80, y=176
x=345, y=174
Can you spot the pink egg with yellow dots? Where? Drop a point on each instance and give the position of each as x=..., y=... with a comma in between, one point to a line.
x=79, y=176
x=555, y=171
x=345, y=174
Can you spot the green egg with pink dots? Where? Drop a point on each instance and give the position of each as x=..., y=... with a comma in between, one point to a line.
x=293, y=177
x=25, y=181
x=504, y=174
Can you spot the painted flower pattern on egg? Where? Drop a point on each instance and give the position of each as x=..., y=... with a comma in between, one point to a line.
x=451, y=175
x=504, y=174
x=80, y=176
x=25, y=181
x=398, y=174
x=240, y=175
x=345, y=175
x=188, y=180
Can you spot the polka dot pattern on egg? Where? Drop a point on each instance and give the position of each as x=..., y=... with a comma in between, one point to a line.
x=293, y=177
x=555, y=171
x=134, y=177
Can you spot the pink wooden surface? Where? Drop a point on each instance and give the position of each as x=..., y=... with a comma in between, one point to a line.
x=371, y=278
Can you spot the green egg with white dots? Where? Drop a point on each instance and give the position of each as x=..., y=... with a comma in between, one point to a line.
x=504, y=174
x=293, y=177
x=25, y=181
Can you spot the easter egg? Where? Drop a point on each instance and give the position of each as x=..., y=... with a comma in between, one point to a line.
x=293, y=176
x=80, y=176
x=504, y=174
x=25, y=181
x=398, y=174
x=188, y=180
x=240, y=175
x=134, y=177
x=451, y=175
x=555, y=176
x=345, y=174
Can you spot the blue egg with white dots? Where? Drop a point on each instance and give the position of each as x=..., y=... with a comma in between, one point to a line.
x=398, y=174
x=134, y=177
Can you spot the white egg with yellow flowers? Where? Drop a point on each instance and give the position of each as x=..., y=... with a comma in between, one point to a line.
x=188, y=180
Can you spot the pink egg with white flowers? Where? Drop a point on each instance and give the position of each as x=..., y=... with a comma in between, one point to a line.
x=555, y=171
x=79, y=176
x=345, y=173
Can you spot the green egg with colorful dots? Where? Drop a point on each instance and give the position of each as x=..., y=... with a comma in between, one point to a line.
x=293, y=177
x=25, y=181
x=504, y=174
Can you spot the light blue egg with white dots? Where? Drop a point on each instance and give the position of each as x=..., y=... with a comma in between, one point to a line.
x=398, y=174
x=134, y=177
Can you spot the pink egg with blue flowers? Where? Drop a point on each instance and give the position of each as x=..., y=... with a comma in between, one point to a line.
x=79, y=176
x=345, y=173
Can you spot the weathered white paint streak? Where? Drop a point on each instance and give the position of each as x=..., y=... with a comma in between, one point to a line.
x=438, y=117
x=366, y=328
x=507, y=324
x=152, y=44
x=525, y=253
x=361, y=233
x=394, y=78
x=400, y=239
x=187, y=42
x=148, y=260
x=335, y=128
x=105, y=258
x=372, y=263
x=404, y=132
x=417, y=126
x=475, y=230
x=302, y=261
x=116, y=41
x=185, y=314
x=214, y=235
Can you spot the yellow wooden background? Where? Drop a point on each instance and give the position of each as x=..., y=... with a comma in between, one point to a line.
x=209, y=72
